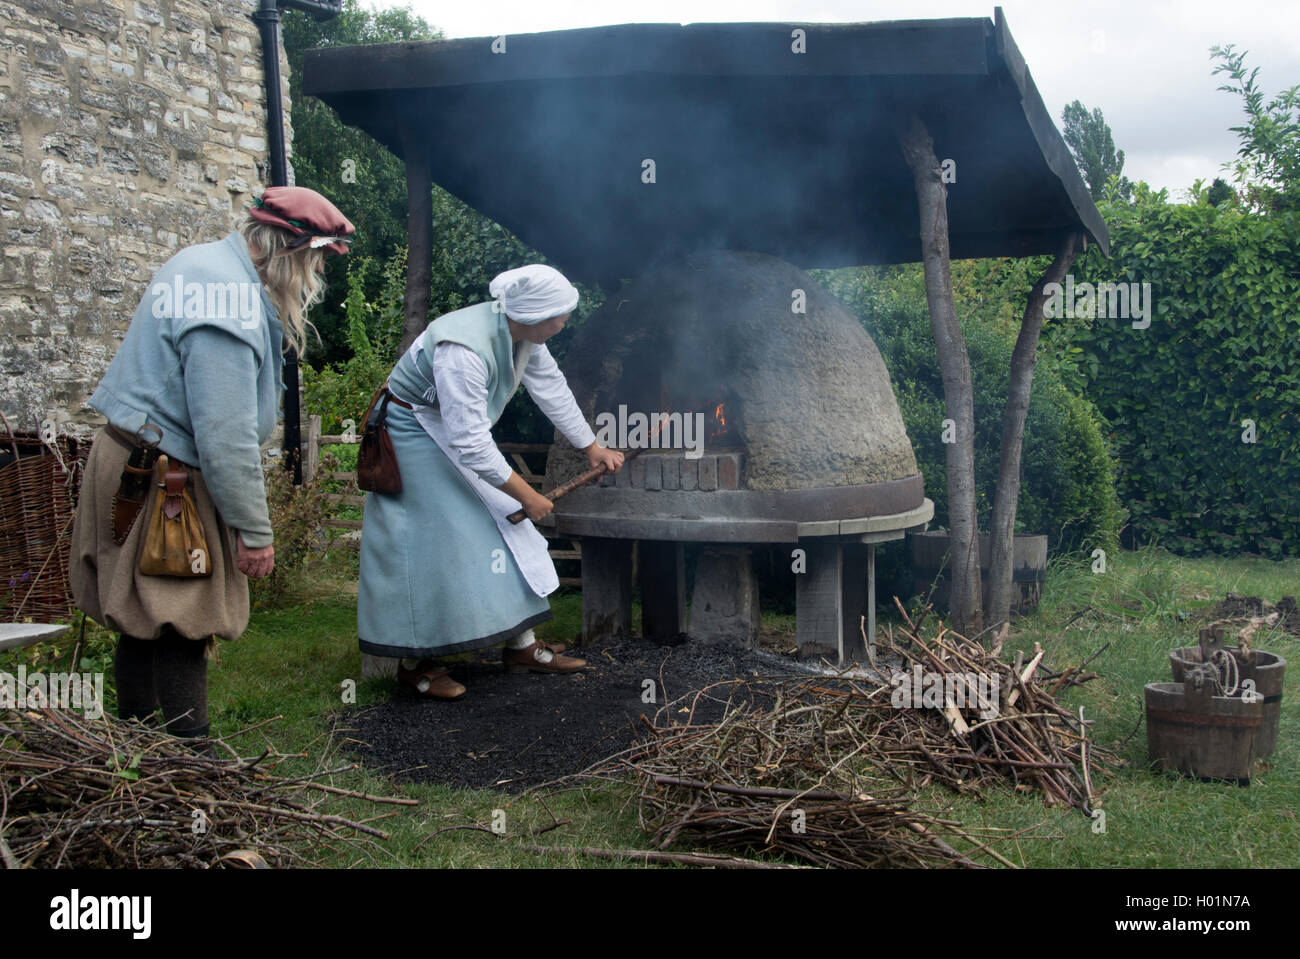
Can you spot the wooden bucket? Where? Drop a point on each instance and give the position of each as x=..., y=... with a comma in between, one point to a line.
x=1266, y=670
x=1199, y=734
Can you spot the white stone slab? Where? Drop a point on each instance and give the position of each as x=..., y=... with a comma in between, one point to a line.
x=17, y=635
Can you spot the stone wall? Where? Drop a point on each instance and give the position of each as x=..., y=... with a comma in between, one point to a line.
x=128, y=130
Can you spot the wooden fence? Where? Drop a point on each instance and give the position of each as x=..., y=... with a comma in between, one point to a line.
x=562, y=548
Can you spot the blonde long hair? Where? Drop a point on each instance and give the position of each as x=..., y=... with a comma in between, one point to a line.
x=291, y=278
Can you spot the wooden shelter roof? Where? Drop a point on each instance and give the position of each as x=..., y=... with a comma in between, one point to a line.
x=755, y=147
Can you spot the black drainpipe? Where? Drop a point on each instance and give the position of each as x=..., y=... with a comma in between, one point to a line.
x=267, y=18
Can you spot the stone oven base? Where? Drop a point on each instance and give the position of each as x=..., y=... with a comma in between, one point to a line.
x=740, y=516
x=834, y=589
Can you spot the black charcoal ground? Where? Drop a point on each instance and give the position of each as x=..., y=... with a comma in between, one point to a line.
x=511, y=732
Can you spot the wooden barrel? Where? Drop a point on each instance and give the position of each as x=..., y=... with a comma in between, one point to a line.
x=1201, y=735
x=1266, y=671
x=929, y=553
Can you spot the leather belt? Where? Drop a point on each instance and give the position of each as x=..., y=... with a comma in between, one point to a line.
x=394, y=398
x=125, y=439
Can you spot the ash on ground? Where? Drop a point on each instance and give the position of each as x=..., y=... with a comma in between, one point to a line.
x=511, y=732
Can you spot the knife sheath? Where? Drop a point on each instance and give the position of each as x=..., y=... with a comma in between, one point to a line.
x=132, y=490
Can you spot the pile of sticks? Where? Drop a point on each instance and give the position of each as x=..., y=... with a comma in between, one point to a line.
x=76, y=792
x=788, y=780
x=830, y=771
x=1025, y=737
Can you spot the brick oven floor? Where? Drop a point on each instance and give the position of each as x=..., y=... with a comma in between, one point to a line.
x=512, y=732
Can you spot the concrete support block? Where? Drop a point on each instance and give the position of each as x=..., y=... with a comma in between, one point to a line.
x=724, y=604
x=378, y=667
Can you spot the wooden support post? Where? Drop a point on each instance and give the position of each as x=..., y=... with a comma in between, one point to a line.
x=854, y=590
x=999, y=586
x=311, y=456
x=606, y=589
x=419, y=242
x=663, y=588
x=871, y=602
x=954, y=364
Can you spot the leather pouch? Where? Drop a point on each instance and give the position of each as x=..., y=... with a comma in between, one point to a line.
x=174, y=544
x=377, y=469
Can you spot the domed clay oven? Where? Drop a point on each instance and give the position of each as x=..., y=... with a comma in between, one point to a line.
x=769, y=418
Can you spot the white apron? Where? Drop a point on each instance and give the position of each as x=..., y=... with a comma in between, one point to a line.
x=526, y=544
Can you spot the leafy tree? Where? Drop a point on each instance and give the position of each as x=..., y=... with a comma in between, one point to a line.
x=1219, y=192
x=361, y=177
x=359, y=336
x=1268, y=160
x=1090, y=140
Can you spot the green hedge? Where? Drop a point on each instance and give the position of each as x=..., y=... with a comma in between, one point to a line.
x=1221, y=348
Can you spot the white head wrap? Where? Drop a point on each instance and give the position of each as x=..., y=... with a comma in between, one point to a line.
x=534, y=293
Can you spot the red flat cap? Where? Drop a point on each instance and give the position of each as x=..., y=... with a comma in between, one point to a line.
x=305, y=213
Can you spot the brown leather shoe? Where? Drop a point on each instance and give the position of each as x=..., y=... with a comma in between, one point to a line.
x=540, y=658
x=430, y=680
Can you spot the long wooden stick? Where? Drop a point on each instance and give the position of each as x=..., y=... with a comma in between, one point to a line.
x=649, y=855
x=595, y=473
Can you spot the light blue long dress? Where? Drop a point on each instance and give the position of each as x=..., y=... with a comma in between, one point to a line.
x=437, y=576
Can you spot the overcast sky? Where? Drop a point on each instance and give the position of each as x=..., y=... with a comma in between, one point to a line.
x=1145, y=63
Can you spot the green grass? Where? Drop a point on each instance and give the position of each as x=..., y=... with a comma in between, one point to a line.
x=1144, y=605
x=293, y=662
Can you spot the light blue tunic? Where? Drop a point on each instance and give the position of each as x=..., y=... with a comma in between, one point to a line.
x=436, y=576
x=201, y=360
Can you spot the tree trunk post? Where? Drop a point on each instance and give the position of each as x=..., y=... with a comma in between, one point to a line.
x=419, y=250
x=1002, y=527
x=954, y=363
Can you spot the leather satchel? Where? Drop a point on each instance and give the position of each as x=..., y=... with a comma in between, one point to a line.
x=174, y=544
x=377, y=470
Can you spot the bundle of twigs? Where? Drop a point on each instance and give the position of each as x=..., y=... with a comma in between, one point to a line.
x=1023, y=735
x=828, y=770
x=76, y=792
x=788, y=779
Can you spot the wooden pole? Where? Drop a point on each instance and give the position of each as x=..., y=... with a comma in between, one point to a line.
x=1002, y=527
x=954, y=364
x=419, y=243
